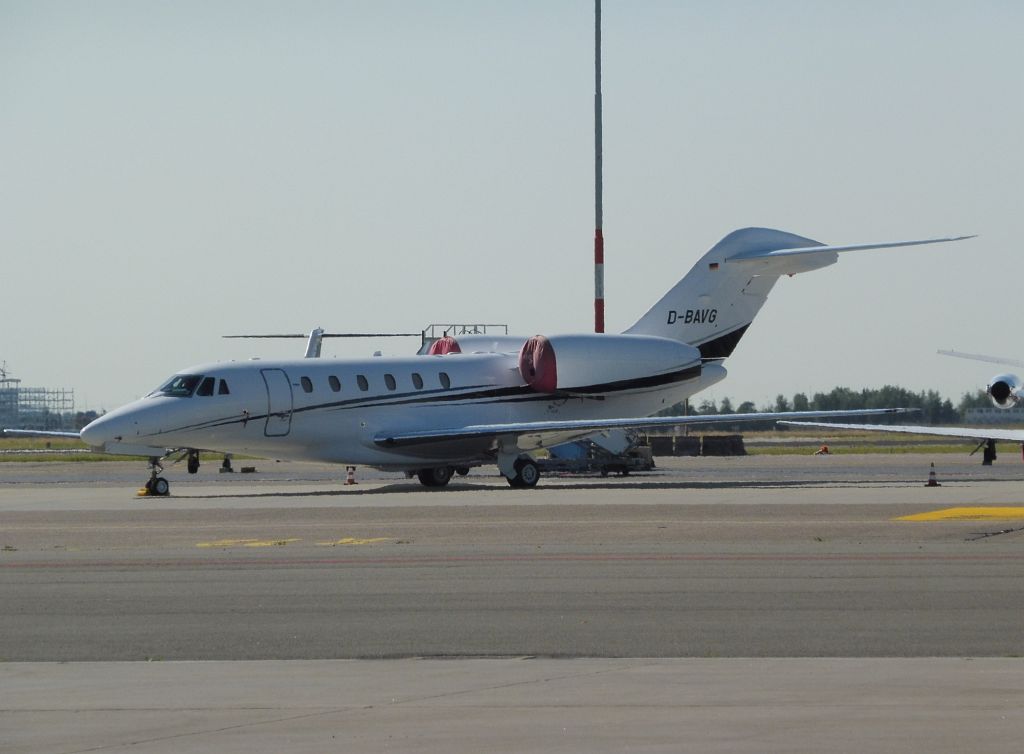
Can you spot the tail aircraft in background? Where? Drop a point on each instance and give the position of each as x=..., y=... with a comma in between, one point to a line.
x=480, y=399
x=1004, y=390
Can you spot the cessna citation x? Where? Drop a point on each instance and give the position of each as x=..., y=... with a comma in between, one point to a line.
x=480, y=399
x=1004, y=390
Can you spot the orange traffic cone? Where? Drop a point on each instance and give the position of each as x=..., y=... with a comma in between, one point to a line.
x=351, y=475
x=931, y=478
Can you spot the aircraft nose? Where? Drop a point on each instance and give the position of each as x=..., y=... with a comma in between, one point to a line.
x=95, y=433
x=113, y=427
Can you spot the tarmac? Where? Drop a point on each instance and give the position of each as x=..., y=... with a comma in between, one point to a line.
x=784, y=603
x=515, y=705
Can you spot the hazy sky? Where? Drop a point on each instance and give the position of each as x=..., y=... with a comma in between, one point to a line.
x=171, y=172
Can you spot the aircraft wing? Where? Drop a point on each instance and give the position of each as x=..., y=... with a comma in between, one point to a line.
x=974, y=433
x=41, y=433
x=579, y=427
x=983, y=357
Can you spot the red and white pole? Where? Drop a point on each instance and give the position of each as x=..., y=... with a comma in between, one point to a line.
x=598, y=180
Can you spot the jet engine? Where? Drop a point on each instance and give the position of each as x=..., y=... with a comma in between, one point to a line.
x=1005, y=390
x=596, y=363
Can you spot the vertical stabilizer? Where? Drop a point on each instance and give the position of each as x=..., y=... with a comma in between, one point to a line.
x=715, y=303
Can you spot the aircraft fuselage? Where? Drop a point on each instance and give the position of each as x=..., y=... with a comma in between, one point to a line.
x=335, y=410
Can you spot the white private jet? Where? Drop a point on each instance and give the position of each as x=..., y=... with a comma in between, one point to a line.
x=481, y=399
x=1004, y=390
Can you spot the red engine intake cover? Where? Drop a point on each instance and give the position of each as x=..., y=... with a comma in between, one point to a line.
x=537, y=364
x=444, y=345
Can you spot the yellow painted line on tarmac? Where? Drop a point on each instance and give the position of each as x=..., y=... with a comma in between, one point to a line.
x=997, y=513
x=248, y=542
x=348, y=541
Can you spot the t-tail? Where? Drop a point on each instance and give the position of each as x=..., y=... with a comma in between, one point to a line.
x=712, y=307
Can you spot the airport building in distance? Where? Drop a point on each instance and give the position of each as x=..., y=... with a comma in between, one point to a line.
x=34, y=407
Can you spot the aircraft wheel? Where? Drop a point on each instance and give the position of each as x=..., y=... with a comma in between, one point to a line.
x=462, y=470
x=527, y=474
x=436, y=476
x=161, y=487
x=193, y=462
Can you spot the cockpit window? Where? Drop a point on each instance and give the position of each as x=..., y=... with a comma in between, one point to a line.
x=205, y=387
x=180, y=385
x=222, y=389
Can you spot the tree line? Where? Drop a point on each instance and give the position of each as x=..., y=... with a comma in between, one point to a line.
x=932, y=407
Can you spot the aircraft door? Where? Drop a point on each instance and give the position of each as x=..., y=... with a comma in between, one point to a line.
x=279, y=402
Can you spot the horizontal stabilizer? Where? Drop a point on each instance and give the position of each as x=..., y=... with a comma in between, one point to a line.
x=748, y=256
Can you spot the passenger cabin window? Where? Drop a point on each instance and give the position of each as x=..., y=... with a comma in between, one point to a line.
x=335, y=383
x=389, y=380
x=417, y=381
x=363, y=382
x=223, y=388
x=180, y=385
x=205, y=387
x=307, y=384
x=446, y=381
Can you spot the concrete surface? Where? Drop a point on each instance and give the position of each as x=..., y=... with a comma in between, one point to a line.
x=759, y=604
x=515, y=705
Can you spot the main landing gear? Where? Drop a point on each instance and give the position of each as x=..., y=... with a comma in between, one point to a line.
x=989, y=452
x=523, y=474
x=526, y=474
x=436, y=476
x=156, y=485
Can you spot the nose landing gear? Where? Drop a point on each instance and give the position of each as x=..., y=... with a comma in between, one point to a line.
x=156, y=485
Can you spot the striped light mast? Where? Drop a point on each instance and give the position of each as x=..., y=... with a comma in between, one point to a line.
x=598, y=180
